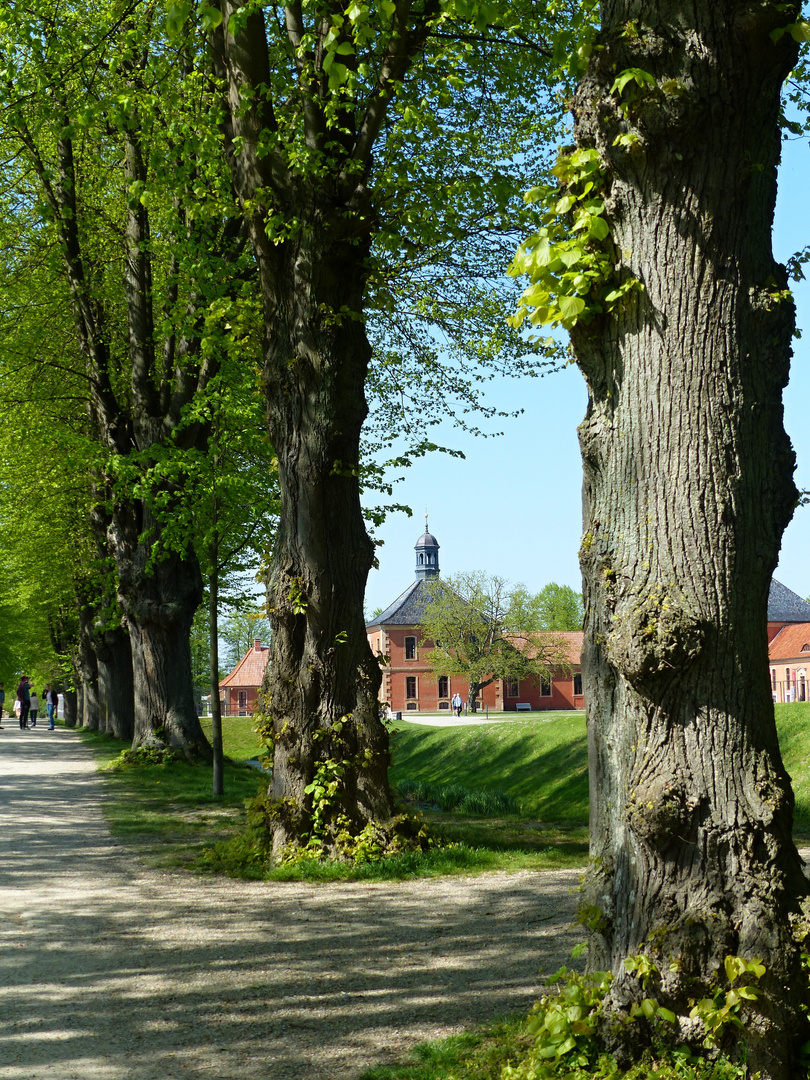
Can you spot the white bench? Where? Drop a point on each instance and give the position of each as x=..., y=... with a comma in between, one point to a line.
x=522, y=706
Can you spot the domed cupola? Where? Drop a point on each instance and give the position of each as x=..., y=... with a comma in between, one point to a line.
x=427, y=554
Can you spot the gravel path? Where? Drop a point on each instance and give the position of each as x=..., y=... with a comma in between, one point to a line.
x=112, y=971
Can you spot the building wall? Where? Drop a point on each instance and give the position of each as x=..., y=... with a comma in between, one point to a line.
x=422, y=694
x=790, y=679
x=563, y=693
x=238, y=700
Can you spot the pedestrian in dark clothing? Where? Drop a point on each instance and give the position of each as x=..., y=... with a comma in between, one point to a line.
x=2, y=703
x=24, y=695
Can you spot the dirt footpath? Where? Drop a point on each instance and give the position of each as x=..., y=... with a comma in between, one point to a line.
x=110, y=971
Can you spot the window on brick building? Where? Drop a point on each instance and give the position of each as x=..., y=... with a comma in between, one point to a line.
x=410, y=648
x=410, y=686
x=513, y=688
x=444, y=686
x=578, y=685
x=545, y=688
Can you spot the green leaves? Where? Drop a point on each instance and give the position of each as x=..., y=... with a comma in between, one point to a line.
x=563, y=1024
x=568, y=260
x=176, y=16
x=799, y=31
x=636, y=75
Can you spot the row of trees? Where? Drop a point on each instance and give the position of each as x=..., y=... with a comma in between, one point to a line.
x=219, y=229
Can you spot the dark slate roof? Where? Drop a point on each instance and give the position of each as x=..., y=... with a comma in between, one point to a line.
x=426, y=540
x=407, y=609
x=786, y=606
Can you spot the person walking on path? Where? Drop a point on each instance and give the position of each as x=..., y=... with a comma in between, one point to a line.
x=51, y=705
x=32, y=715
x=457, y=703
x=2, y=703
x=24, y=697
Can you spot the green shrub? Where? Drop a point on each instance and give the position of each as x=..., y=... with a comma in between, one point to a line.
x=143, y=756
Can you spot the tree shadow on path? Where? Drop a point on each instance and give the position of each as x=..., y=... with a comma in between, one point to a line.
x=110, y=971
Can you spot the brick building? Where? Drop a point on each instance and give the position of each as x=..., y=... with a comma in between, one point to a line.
x=788, y=644
x=409, y=684
x=239, y=690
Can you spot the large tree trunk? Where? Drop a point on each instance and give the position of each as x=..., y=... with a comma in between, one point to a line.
x=159, y=602
x=87, y=668
x=688, y=488
x=70, y=707
x=322, y=679
x=115, y=683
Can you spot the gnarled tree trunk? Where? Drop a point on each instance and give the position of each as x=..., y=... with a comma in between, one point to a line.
x=87, y=671
x=115, y=684
x=159, y=602
x=70, y=707
x=322, y=679
x=688, y=488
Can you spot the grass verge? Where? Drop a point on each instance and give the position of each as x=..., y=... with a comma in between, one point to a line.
x=537, y=763
x=475, y=1055
x=540, y=761
x=239, y=739
x=168, y=812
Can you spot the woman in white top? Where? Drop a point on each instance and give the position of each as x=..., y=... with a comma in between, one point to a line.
x=32, y=716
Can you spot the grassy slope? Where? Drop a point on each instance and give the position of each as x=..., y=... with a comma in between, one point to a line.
x=541, y=760
x=239, y=740
x=793, y=725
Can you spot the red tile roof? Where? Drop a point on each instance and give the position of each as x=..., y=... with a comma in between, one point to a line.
x=250, y=669
x=564, y=646
x=787, y=645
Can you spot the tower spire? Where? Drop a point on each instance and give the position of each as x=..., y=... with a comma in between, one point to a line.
x=427, y=553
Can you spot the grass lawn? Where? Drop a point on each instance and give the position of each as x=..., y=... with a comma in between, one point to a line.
x=540, y=760
x=168, y=813
x=239, y=740
x=793, y=725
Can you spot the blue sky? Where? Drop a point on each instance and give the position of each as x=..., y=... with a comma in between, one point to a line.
x=513, y=505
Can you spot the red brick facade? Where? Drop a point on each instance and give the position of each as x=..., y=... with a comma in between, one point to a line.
x=408, y=683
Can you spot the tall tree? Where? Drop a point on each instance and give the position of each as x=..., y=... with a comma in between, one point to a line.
x=228, y=504
x=105, y=157
x=555, y=607
x=329, y=104
x=656, y=253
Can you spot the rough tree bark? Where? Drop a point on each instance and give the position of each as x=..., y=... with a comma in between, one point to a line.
x=687, y=490
x=87, y=669
x=115, y=682
x=111, y=642
x=159, y=602
x=71, y=707
x=322, y=678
